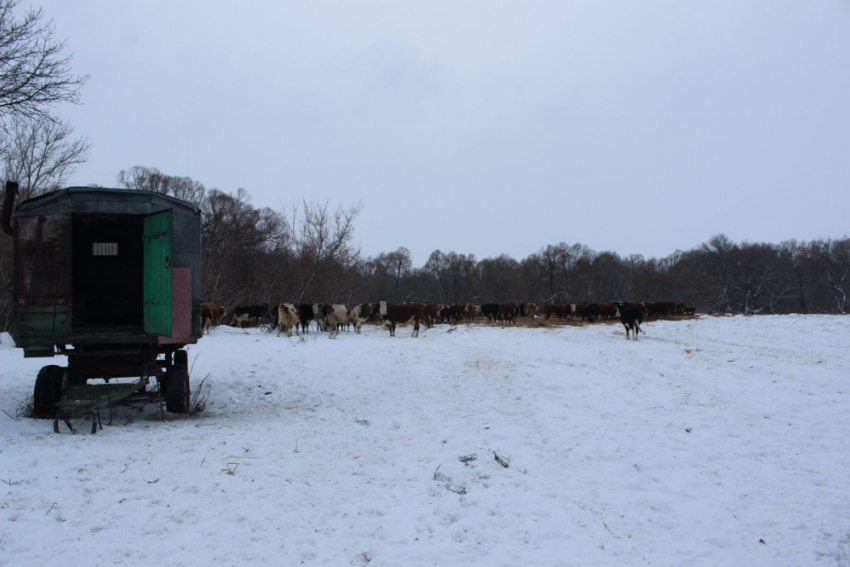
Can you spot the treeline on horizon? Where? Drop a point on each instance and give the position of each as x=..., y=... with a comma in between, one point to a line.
x=306, y=254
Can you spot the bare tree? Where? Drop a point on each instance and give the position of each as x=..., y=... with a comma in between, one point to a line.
x=833, y=264
x=41, y=154
x=34, y=73
x=546, y=266
x=500, y=279
x=762, y=279
x=36, y=148
x=719, y=261
x=322, y=237
x=152, y=179
x=388, y=271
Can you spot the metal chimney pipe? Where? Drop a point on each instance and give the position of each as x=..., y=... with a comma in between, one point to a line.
x=8, y=204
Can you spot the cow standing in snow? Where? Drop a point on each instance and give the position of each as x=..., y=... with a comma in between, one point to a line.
x=631, y=317
x=288, y=318
x=392, y=315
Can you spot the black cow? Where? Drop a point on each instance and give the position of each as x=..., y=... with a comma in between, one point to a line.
x=591, y=312
x=631, y=317
x=490, y=310
x=307, y=312
x=457, y=312
x=446, y=315
x=659, y=308
x=252, y=314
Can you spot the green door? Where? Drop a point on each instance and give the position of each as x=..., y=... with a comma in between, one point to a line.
x=157, y=285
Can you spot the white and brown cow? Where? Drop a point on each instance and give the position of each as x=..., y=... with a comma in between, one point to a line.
x=250, y=314
x=211, y=314
x=393, y=315
x=288, y=318
x=577, y=310
x=338, y=315
x=360, y=314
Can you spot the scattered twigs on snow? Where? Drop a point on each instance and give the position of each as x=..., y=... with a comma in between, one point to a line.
x=466, y=459
x=603, y=522
x=501, y=460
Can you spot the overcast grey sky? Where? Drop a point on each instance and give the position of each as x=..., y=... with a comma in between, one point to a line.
x=484, y=127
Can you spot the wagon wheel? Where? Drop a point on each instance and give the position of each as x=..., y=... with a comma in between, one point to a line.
x=177, y=384
x=48, y=391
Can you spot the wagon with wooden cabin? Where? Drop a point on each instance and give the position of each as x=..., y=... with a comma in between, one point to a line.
x=111, y=279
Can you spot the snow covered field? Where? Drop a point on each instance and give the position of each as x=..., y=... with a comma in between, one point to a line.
x=717, y=441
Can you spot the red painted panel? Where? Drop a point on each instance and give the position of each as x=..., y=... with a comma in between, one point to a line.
x=181, y=307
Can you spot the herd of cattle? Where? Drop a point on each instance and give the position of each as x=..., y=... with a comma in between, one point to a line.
x=287, y=317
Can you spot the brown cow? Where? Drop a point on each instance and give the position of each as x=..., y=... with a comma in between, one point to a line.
x=530, y=310
x=211, y=314
x=577, y=309
x=559, y=309
x=507, y=312
x=659, y=308
x=470, y=311
x=607, y=309
x=432, y=313
x=392, y=315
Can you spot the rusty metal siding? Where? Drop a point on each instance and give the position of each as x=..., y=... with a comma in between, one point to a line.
x=42, y=277
x=181, y=308
x=43, y=257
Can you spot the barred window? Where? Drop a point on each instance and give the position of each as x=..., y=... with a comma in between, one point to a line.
x=104, y=248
